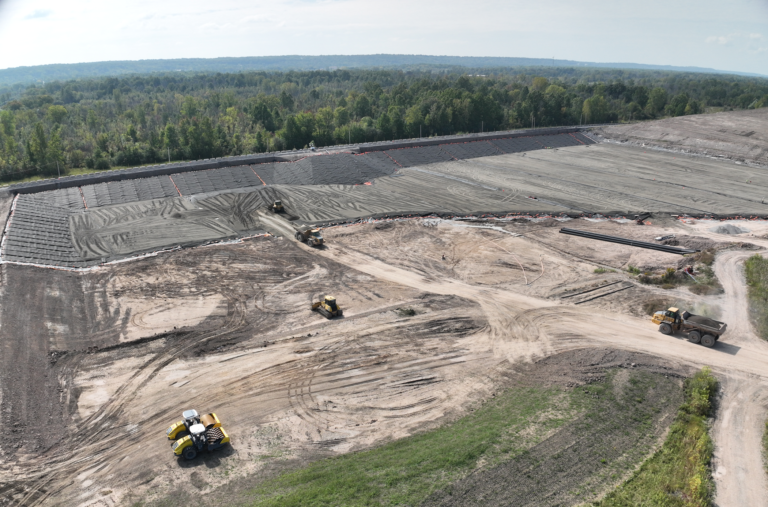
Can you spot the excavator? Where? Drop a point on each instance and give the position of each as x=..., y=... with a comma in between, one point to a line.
x=196, y=433
x=327, y=307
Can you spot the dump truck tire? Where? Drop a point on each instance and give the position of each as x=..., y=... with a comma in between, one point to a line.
x=694, y=337
x=189, y=453
x=665, y=328
x=708, y=340
x=299, y=237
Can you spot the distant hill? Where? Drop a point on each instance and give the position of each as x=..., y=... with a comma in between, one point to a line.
x=296, y=62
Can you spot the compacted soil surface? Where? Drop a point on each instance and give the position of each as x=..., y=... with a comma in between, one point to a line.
x=735, y=135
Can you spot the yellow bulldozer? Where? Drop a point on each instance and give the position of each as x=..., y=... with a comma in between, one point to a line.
x=196, y=433
x=327, y=307
x=277, y=207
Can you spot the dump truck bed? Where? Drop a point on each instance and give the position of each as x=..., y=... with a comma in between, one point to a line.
x=705, y=324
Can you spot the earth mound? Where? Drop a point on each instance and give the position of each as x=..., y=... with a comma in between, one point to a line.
x=729, y=229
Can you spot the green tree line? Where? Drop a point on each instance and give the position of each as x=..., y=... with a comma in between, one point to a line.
x=134, y=120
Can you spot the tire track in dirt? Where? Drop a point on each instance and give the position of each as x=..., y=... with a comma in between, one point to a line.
x=737, y=431
x=60, y=461
x=743, y=407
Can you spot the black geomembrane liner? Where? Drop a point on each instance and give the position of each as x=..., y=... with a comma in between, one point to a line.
x=40, y=228
x=409, y=157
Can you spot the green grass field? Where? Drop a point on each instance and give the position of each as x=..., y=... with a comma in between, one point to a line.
x=678, y=475
x=405, y=472
x=765, y=446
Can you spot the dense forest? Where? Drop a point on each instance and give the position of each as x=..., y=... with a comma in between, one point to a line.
x=286, y=63
x=106, y=122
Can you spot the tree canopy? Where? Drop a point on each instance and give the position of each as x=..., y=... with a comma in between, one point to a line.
x=133, y=120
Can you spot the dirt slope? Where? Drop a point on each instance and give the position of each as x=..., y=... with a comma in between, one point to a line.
x=736, y=135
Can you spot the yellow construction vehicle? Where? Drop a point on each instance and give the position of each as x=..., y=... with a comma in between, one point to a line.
x=700, y=329
x=327, y=307
x=277, y=207
x=196, y=433
x=190, y=417
x=310, y=236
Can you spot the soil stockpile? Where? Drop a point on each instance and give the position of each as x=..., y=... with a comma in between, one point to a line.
x=729, y=229
x=736, y=135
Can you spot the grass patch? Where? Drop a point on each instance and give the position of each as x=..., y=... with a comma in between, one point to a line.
x=703, y=283
x=678, y=475
x=406, y=312
x=756, y=272
x=654, y=305
x=600, y=271
x=706, y=257
x=406, y=471
x=765, y=446
x=633, y=270
x=73, y=172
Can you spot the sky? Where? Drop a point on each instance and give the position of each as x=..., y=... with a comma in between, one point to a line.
x=726, y=35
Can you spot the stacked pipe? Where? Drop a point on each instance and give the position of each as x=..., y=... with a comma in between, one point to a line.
x=629, y=242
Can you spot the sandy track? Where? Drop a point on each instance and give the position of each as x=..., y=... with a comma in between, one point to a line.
x=286, y=381
x=742, y=362
x=743, y=409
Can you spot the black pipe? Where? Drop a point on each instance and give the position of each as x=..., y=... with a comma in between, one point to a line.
x=626, y=241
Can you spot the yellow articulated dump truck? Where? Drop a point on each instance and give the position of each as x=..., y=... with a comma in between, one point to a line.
x=195, y=434
x=699, y=329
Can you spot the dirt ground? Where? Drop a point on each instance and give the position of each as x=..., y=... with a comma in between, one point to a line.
x=737, y=135
x=96, y=364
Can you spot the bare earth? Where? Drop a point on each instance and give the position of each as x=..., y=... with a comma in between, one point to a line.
x=289, y=384
x=739, y=135
x=94, y=365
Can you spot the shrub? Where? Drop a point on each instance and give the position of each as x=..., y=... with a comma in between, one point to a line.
x=678, y=474
x=756, y=272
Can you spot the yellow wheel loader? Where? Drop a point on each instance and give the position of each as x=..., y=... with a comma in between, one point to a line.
x=327, y=307
x=196, y=433
x=700, y=329
x=311, y=237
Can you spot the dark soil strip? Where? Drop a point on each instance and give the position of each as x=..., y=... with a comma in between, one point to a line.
x=603, y=295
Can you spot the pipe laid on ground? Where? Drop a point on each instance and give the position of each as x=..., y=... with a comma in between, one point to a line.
x=626, y=241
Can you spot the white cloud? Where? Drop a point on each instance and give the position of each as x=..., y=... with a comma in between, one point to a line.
x=38, y=14
x=731, y=37
x=720, y=39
